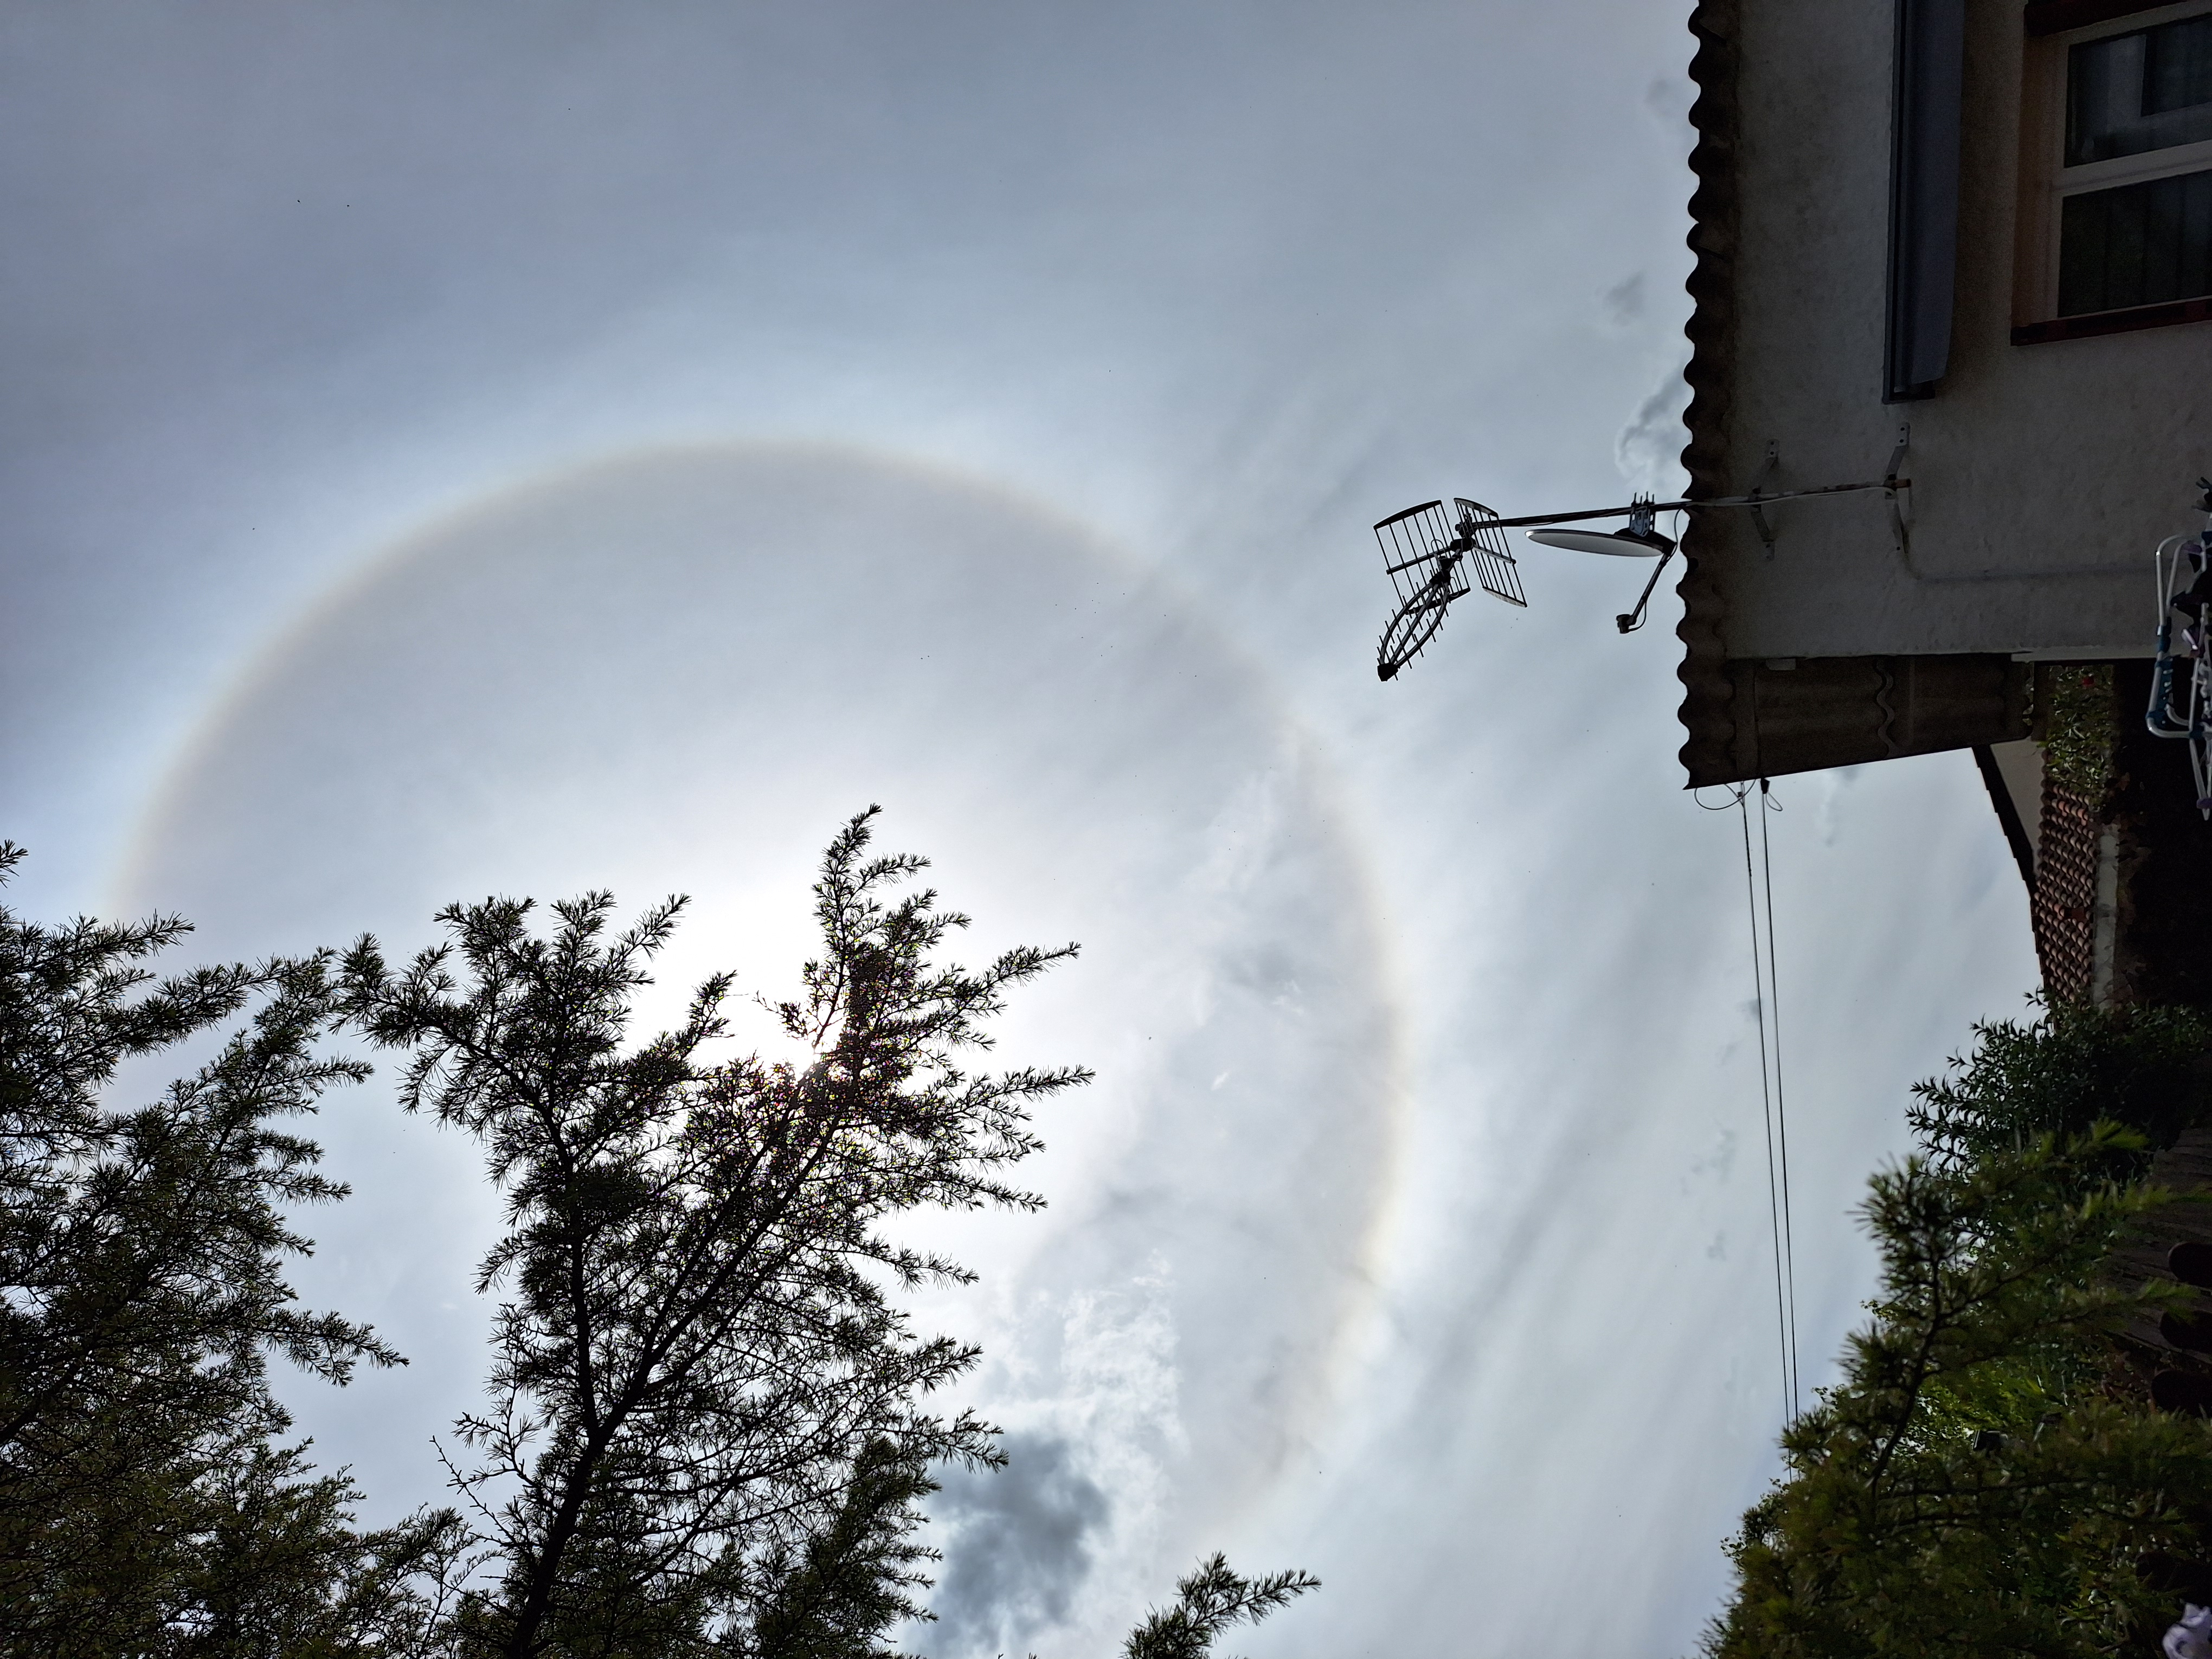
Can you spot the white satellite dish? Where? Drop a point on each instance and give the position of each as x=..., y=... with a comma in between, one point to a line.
x=1622, y=543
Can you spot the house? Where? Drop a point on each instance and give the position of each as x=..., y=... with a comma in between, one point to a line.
x=1963, y=249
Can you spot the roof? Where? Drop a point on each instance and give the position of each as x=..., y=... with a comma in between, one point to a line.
x=1705, y=712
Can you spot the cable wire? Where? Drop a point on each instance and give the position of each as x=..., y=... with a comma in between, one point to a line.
x=1768, y=804
x=1766, y=1104
x=1763, y=979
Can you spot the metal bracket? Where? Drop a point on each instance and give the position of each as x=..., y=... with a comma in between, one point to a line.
x=1758, y=512
x=1891, y=484
x=1631, y=620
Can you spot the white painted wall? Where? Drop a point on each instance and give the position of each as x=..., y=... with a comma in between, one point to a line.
x=2031, y=459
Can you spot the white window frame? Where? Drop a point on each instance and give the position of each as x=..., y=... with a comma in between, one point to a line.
x=2045, y=179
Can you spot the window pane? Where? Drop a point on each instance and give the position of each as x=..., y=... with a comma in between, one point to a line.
x=2177, y=66
x=2150, y=89
x=2135, y=245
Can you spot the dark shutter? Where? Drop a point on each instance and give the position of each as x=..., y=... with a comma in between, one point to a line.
x=1924, y=195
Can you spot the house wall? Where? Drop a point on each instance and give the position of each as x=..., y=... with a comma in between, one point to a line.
x=2031, y=461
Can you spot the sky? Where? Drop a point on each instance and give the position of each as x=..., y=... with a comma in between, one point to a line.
x=448, y=450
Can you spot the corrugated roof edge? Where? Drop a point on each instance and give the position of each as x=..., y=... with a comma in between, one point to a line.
x=1705, y=712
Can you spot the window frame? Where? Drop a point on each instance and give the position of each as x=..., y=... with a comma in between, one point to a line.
x=2053, y=28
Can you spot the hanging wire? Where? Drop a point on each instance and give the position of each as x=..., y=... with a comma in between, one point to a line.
x=1768, y=804
x=1785, y=1287
x=1766, y=1104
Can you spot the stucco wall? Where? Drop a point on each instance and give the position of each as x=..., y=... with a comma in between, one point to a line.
x=2035, y=458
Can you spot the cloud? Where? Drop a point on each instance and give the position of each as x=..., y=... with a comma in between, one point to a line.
x=1721, y=1161
x=1649, y=449
x=1668, y=102
x=1623, y=301
x=1021, y=1542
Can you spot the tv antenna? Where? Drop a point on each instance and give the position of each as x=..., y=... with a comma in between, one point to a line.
x=1428, y=554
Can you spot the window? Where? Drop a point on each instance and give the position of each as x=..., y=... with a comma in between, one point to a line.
x=1926, y=112
x=2117, y=227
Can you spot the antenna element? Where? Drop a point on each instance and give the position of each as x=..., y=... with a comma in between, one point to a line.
x=1427, y=558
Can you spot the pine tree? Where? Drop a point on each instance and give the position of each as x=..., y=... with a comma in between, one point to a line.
x=711, y=1431
x=853, y=1579
x=1210, y=1600
x=1986, y=1477
x=696, y=1350
x=145, y=1505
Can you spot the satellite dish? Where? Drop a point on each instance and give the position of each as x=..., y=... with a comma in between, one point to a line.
x=1636, y=540
x=1630, y=544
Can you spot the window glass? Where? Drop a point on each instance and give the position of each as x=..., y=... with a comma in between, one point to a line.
x=2139, y=245
x=2150, y=89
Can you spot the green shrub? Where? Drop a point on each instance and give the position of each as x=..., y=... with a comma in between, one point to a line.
x=2079, y=721
x=1976, y=1483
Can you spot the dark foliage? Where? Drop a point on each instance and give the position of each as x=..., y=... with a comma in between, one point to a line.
x=1208, y=1602
x=1981, y=1481
x=2058, y=1075
x=710, y=1430
x=697, y=1350
x=853, y=1580
x=144, y=1507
